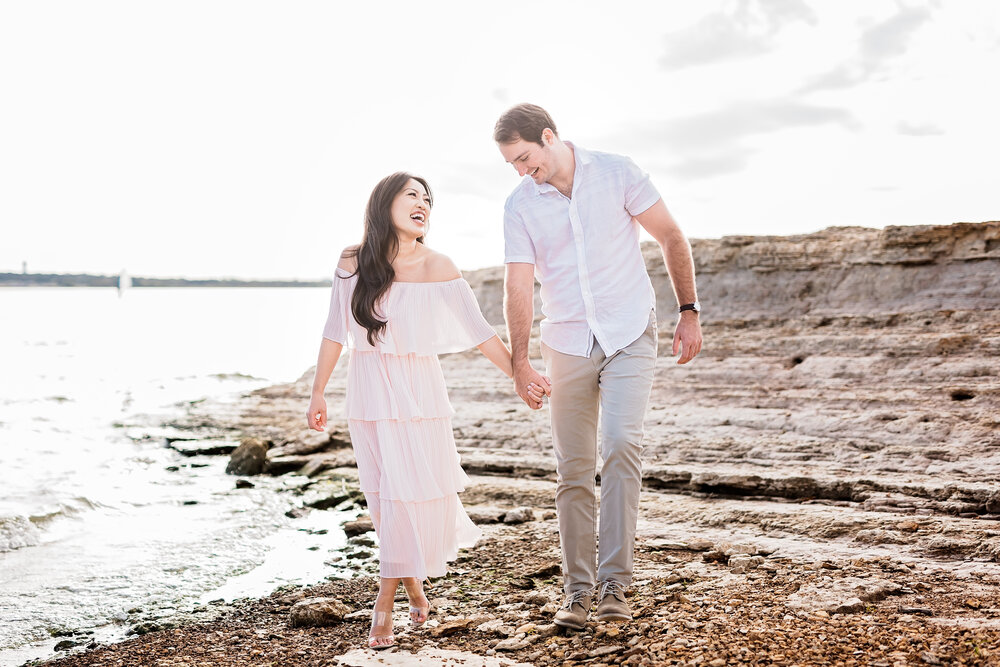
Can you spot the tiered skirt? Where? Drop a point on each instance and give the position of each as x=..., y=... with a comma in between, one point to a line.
x=399, y=418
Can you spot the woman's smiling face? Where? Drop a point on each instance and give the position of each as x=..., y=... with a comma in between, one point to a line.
x=411, y=210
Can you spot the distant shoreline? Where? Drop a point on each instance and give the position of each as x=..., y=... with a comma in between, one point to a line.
x=88, y=280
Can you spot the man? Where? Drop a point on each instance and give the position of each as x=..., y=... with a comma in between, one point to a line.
x=573, y=222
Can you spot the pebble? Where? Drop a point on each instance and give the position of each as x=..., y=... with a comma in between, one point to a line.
x=451, y=627
x=519, y=515
x=549, y=609
x=494, y=626
x=511, y=644
x=547, y=630
x=537, y=597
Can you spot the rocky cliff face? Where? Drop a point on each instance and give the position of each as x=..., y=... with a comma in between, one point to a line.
x=851, y=365
x=840, y=270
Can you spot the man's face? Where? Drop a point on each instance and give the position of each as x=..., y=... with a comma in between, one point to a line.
x=530, y=158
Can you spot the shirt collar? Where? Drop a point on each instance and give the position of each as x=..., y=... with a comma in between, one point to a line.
x=581, y=156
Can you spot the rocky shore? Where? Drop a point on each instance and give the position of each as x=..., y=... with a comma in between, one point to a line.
x=820, y=485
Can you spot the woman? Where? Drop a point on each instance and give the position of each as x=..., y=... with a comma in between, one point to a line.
x=401, y=304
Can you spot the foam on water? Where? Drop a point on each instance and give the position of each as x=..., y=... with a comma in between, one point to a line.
x=17, y=531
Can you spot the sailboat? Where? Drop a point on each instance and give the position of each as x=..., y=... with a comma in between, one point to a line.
x=124, y=282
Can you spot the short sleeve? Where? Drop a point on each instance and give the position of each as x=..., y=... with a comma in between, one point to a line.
x=340, y=306
x=434, y=318
x=517, y=244
x=471, y=328
x=640, y=193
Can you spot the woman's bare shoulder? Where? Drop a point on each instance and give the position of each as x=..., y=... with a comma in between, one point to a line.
x=349, y=259
x=439, y=268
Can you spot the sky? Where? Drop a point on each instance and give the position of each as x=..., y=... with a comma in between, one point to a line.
x=221, y=138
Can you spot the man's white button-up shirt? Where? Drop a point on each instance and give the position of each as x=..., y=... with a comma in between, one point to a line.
x=585, y=250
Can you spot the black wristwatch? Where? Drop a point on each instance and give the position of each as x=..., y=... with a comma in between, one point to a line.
x=696, y=307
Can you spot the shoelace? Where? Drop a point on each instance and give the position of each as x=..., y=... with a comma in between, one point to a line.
x=576, y=598
x=613, y=587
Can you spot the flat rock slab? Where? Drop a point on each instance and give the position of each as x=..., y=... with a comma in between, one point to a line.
x=427, y=656
x=841, y=596
x=202, y=447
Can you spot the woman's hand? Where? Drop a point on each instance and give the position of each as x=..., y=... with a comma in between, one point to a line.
x=535, y=393
x=316, y=414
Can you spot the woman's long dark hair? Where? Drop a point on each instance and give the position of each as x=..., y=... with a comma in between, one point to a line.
x=377, y=250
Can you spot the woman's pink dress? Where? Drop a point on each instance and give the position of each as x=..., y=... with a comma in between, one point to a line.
x=399, y=418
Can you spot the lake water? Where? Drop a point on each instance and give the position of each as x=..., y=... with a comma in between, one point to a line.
x=95, y=525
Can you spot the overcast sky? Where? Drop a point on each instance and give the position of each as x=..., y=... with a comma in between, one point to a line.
x=236, y=138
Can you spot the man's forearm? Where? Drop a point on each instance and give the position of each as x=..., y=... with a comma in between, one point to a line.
x=680, y=266
x=519, y=311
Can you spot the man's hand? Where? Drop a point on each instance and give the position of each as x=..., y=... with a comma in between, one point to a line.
x=687, y=337
x=531, y=386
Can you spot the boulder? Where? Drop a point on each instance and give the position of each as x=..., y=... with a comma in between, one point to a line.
x=318, y=612
x=248, y=458
x=359, y=527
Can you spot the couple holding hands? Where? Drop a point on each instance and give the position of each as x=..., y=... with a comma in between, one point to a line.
x=572, y=223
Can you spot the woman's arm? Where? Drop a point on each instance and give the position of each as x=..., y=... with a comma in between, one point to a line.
x=329, y=354
x=497, y=352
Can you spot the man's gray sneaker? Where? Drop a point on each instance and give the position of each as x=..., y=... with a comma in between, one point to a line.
x=575, y=609
x=611, y=605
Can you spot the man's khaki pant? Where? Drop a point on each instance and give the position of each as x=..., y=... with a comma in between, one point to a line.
x=619, y=385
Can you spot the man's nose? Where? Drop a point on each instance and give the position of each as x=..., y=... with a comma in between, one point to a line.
x=521, y=169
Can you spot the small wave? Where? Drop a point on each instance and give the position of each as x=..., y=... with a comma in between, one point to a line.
x=16, y=532
x=67, y=508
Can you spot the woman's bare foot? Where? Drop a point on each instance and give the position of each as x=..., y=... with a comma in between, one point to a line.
x=380, y=636
x=420, y=607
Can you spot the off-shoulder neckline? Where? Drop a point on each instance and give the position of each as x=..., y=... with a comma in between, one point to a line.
x=348, y=274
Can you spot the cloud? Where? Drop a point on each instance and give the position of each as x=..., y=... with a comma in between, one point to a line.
x=919, y=129
x=729, y=126
x=700, y=167
x=876, y=46
x=746, y=28
x=714, y=143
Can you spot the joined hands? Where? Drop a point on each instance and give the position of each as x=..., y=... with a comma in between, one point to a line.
x=531, y=386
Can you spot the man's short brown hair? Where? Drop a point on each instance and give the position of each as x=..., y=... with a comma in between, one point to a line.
x=523, y=121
